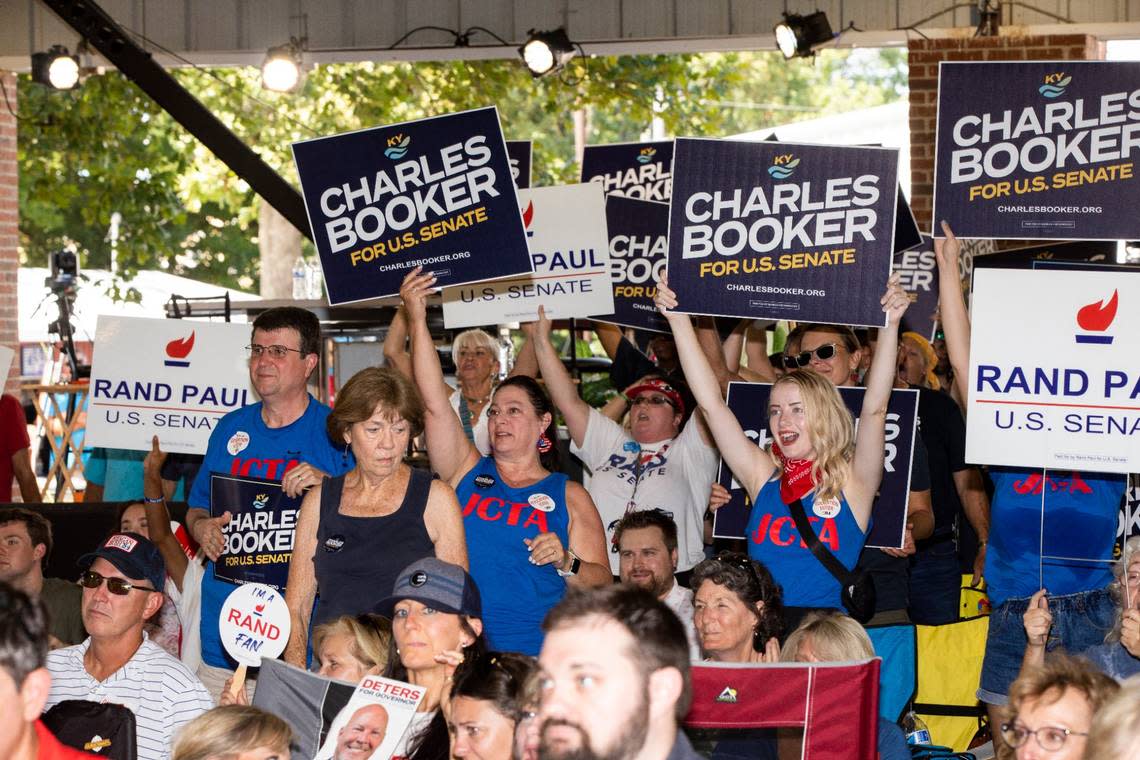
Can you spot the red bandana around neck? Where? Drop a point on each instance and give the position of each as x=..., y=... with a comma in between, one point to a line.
x=796, y=479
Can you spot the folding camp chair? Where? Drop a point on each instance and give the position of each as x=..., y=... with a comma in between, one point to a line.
x=836, y=703
x=949, y=669
x=898, y=677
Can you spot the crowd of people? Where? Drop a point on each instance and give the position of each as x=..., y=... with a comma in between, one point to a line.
x=544, y=618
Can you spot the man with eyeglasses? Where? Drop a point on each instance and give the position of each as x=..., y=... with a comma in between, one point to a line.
x=281, y=438
x=122, y=582
x=615, y=678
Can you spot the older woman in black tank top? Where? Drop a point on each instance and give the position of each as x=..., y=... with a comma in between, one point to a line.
x=356, y=532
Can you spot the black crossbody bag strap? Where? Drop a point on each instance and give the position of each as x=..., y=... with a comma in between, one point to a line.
x=825, y=557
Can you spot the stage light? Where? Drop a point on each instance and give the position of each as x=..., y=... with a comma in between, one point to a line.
x=799, y=35
x=545, y=52
x=282, y=70
x=56, y=68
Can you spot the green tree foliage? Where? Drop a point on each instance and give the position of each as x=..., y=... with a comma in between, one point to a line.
x=106, y=147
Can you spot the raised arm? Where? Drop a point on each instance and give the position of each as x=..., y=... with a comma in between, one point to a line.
x=709, y=341
x=157, y=518
x=444, y=523
x=301, y=587
x=734, y=345
x=751, y=465
x=867, y=468
x=525, y=363
x=756, y=349
x=395, y=344
x=451, y=454
x=609, y=336
x=565, y=396
x=952, y=308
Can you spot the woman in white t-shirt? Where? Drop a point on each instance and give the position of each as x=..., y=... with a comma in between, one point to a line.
x=655, y=464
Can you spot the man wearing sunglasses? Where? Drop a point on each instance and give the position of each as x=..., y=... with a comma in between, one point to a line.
x=118, y=663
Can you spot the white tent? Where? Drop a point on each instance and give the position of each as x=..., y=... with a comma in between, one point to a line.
x=38, y=306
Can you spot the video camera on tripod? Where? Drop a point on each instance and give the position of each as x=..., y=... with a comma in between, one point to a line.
x=64, y=285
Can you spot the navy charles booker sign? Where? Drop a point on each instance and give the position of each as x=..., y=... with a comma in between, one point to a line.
x=641, y=170
x=436, y=192
x=770, y=230
x=639, y=238
x=259, y=535
x=521, y=153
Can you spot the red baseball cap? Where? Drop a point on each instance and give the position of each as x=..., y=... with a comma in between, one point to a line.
x=662, y=387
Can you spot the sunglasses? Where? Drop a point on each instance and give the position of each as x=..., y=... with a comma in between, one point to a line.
x=118, y=586
x=743, y=563
x=803, y=358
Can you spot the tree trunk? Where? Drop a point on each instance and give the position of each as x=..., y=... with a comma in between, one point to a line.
x=279, y=243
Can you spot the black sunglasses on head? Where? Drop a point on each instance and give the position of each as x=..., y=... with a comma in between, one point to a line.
x=803, y=358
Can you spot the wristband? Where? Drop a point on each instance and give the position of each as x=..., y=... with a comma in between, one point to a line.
x=148, y=500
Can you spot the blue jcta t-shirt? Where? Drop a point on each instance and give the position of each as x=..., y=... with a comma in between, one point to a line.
x=242, y=445
x=1075, y=537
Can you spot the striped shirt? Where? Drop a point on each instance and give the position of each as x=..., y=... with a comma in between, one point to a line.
x=156, y=687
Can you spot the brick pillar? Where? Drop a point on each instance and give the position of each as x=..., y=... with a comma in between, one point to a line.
x=9, y=231
x=923, y=58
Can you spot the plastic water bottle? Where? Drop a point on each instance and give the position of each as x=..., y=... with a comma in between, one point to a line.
x=915, y=729
x=313, y=280
x=300, y=279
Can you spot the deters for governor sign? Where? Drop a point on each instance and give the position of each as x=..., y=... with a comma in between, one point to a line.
x=167, y=377
x=782, y=231
x=1038, y=150
x=566, y=225
x=1054, y=380
x=639, y=238
x=635, y=170
x=749, y=402
x=435, y=192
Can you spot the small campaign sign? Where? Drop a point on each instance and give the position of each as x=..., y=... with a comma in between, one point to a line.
x=749, y=402
x=520, y=153
x=639, y=239
x=372, y=722
x=259, y=535
x=569, y=247
x=1037, y=149
x=254, y=623
x=918, y=271
x=1073, y=406
x=167, y=377
x=435, y=192
x=641, y=170
x=770, y=230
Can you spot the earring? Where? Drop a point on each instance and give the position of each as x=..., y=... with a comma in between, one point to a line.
x=544, y=444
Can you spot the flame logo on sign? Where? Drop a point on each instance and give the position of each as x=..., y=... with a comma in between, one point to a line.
x=178, y=350
x=646, y=155
x=1055, y=84
x=258, y=609
x=260, y=501
x=528, y=216
x=1096, y=318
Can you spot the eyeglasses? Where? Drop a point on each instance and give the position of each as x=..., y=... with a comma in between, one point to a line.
x=118, y=586
x=803, y=358
x=1050, y=738
x=277, y=352
x=652, y=400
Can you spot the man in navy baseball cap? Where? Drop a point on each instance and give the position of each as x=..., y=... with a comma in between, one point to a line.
x=133, y=555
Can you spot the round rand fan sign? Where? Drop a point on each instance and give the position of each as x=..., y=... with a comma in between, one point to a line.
x=254, y=623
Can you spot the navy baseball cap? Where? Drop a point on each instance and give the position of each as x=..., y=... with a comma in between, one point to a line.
x=133, y=555
x=437, y=584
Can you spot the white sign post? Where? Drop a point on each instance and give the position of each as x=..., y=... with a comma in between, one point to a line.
x=254, y=623
x=569, y=246
x=166, y=377
x=1054, y=380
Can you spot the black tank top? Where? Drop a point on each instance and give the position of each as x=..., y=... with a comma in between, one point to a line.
x=358, y=558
